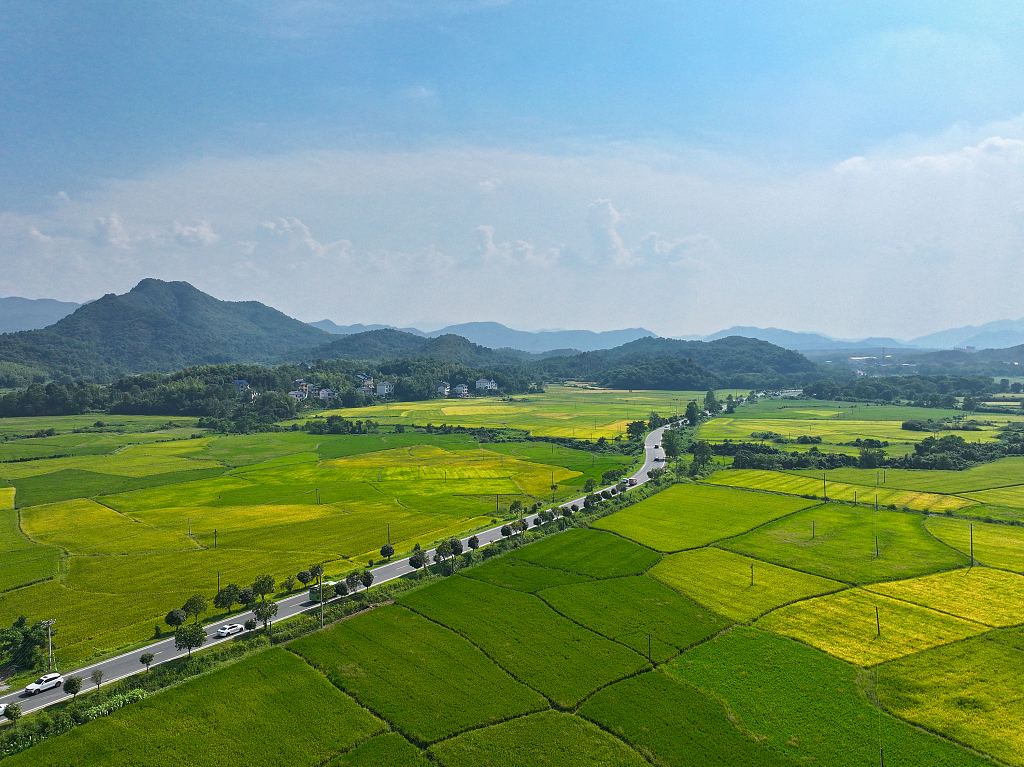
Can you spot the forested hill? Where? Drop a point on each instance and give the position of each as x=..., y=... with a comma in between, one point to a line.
x=158, y=326
x=665, y=363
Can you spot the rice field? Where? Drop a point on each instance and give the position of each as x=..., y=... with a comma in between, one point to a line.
x=970, y=691
x=1001, y=473
x=562, y=411
x=527, y=638
x=387, y=750
x=518, y=574
x=806, y=705
x=994, y=545
x=590, y=552
x=980, y=594
x=850, y=544
x=1002, y=496
x=721, y=580
x=195, y=725
x=795, y=484
x=547, y=738
x=372, y=658
x=844, y=625
x=687, y=516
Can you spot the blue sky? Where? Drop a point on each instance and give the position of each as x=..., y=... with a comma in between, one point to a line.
x=849, y=168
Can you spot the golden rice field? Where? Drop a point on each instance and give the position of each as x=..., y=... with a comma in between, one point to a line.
x=796, y=484
x=980, y=594
x=999, y=546
x=844, y=625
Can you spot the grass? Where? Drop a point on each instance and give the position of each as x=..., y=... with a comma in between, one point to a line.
x=589, y=465
x=65, y=424
x=721, y=581
x=806, y=705
x=562, y=411
x=635, y=611
x=390, y=656
x=589, y=552
x=549, y=738
x=520, y=575
x=195, y=725
x=387, y=750
x=795, y=484
x=671, y=722
x=994, y=545
x=1005, y=471
x=842, y=544
x=980, y=594
x=843, y=625
x=22, y=561
x=687, y=516
x=527, y=638
x=971, y=691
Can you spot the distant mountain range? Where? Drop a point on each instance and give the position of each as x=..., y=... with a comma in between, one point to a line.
x=1000, y=334
x=497, y=336
x=789, y=339
x=31, y=313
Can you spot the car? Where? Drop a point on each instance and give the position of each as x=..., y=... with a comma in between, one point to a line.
x=45, y=682
x=229, y=629
x=656, y=447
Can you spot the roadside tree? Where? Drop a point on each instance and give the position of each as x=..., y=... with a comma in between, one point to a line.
x=73, y=686
x=265, y=612
x=352, y=581
x=189, y=638
x=195, y=606
x=366, y=578
x=227, y=597
x=387, y=551
x=175, y=617
x=97, y=677
x=263, y=585
x=147, y=659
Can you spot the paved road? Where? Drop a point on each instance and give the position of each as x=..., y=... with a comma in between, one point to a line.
x=128, y=663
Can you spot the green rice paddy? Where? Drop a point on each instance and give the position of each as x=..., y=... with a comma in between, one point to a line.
x=687, y=516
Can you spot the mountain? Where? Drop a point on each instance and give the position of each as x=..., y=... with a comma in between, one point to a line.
x=389, y=343
x=992, y=335
x=31, y=313
x=347, y=330
x=496, y=336
x=789, y=339
x=159, y=326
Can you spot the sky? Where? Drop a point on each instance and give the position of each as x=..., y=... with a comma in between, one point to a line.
x=849, y=168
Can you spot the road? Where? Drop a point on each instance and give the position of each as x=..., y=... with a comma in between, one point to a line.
x=128, y=663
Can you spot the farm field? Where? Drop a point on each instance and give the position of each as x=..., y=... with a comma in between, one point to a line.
x=590, y=552
x=839, y=542
x=291, y=500
x=373, y=660
x=638, y=612
x=136, y=425
x=843, y=625
x=795, y=484
x=721, y=581
x=527, y=638
x=686, y=516
x=677, y=724
x=512, y=573
x=1002, y=496
x=775, y=689
x=387, y=750
x=163, y=732
x=994, y=545
x=562, y=411
x=980, y=594
x=547, y=738
x=1001, y=473
x=971, y=691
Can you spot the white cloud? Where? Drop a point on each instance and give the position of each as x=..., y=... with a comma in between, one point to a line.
x=110, y=231
x=602, y=222
x=200, y=234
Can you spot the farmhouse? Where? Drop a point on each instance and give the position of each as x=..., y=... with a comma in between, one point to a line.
x=462, y=390
x=328, y=394
x=384, y=388
x=444, y=388
x=486, y=383
x=298, y=395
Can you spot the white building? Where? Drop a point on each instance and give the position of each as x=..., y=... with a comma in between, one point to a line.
x=462, y=390
x=486, y=383
x=384, y=388
x=328, y=394
x=297, y=395
x=444, y=388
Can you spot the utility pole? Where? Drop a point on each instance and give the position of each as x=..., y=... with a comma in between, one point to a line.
x=878, y=626
x=649, y=648
x=876, y=546
x=389, y=532
x=751, y=573
x=218, y=581
x=190, y=527
x=49, y=643
x=812, y=529
x=824, y=489
x=214, y=537
x=972, y=544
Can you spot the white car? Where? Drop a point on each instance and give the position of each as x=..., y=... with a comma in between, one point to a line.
x=228, y=630
x=45, y=682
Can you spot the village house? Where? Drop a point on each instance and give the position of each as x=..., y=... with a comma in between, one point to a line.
x=328, y=394
x=444, y=388
x=486, y=383
x=384, y=388
x=462, y=390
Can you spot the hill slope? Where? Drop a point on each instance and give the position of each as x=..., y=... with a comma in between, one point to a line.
x=159, y=326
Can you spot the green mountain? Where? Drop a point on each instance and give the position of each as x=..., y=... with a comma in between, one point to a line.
x=158, y=326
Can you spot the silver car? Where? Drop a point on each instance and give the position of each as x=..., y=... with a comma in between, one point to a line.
x=228, y=630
